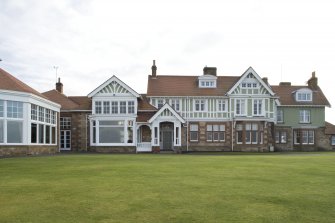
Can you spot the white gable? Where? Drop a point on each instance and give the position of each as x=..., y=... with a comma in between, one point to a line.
x=114, y=86
x=166, y=113
x=250, y=83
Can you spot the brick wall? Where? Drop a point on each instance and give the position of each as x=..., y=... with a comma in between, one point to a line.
x=27, y=150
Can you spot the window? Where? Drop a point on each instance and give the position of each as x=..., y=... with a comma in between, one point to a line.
x=175, y=104
x=98, y=107
x=333, y=137
x=1, y=131
x=53, y=117
x=194, y=132
x=123, y=107
x=304, y=137
x=14, y=109
x=251, y=133
x=130, y=132
x=47, y=115
x=115, y=107
x=280, y=116
x=33, y=112
x=215, y=133
x=207, y=84
x=65, y=122
x=239, y=133
x=94, y=131
x=249, y=85
x=14, y=132
x=221, y=105
x=41, y=114
x=111, y=131
x=53, y=135
x=106, y=107
x=160, y=103
x=1, y=108
x=33, y=137
x=304, y=116
x=131, y=107
x=199, y=105
x=281, y=137
x=240, y=107
x=258, y=107
x=304, y=96
x=41, y=133
x=47, y=134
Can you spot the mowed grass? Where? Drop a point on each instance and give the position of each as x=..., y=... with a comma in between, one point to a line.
x=294, y=187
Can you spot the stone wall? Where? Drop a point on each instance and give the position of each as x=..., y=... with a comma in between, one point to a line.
x=112, y=149
x=285, y=147
x=7, y=150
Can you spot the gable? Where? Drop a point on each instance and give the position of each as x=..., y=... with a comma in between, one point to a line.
x=166, y=112
x=250, y=83
x=114, y=86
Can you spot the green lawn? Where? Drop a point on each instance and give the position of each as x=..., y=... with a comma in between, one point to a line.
x=292, y=187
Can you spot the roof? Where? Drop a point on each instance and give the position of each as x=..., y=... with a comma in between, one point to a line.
x=286, y=95
x=69, y=103
x=144, y=116
x=330, y=129
x=164, y=85
x=144, y=105
x=11, y=83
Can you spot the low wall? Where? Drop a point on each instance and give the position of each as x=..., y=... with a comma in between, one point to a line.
x=6, y=150
x=113, y=149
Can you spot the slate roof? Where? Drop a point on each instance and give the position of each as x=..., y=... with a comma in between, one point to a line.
x=330, y=129
x=11, y=83
x=286, y=96
x=69, y=103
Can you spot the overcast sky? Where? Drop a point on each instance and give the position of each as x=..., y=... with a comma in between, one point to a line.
x=91, y=40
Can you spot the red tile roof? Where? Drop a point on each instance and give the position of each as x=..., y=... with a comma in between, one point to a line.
x=144, y=105
x=11, y=83
x=69, y=103
x=144, y=116
x=286, y=96
x=187, y=86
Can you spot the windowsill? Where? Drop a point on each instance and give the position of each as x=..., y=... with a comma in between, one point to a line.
x=305, y=123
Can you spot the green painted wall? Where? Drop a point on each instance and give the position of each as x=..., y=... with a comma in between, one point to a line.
x=291, y=116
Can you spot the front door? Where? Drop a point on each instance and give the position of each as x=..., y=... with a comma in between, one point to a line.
x=65, y=140
x=167, y=140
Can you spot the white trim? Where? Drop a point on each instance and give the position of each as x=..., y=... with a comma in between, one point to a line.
x=113, y=78
x=244, y=75
x=166, y=106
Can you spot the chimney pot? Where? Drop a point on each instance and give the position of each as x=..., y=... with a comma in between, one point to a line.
x=313, y=81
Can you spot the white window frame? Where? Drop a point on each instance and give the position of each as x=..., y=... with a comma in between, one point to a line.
x=304, y=116
x=280, y=116
x=242, y=107
x=175, y=104
x=195, y=129
x=304, y=95
x=221, y=105
x=259, y=109
x=200, y=105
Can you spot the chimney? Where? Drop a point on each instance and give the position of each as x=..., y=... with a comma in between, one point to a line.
x=154, y=69
x=285, y=84
x=265, y=79
x=59, y=86
x=313, y=82
x=210, y=71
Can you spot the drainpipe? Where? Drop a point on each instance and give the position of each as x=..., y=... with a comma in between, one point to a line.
x=187, y=123
x=86, y=120
x=232, y=135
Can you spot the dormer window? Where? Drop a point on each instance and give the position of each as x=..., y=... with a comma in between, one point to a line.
x=207, y=81
x=304, y=95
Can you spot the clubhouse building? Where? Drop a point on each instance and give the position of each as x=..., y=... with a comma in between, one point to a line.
x=205, y=112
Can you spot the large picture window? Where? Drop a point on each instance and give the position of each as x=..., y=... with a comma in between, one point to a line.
x=304, y=137
x=111, y=131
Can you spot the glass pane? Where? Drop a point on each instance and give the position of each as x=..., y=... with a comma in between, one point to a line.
x=130, y=134
x=215, y=127
x=209, y=127
x=194, y=136
x=53, y=134
x=1, y=131
x=283, y=137
x=209, y=136
x=14, y=132
x=222, y=128
x=193, y=127
x=1, y=108
x=111, y=135
x=33, y=133
x=40, y=133
x=221, y=136
x=47, y=134
x=111, y=123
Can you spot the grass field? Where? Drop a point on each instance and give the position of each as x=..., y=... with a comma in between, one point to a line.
x=293, y=187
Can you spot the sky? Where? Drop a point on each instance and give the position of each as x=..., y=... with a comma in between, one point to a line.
x=91, y=40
